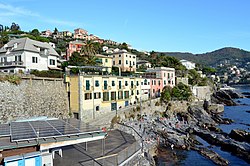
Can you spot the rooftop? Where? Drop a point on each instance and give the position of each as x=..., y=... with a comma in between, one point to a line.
x=27, y=44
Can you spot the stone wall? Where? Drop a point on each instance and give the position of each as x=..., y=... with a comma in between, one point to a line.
x=33, y=97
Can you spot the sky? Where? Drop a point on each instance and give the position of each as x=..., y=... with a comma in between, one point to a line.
x=195, y=26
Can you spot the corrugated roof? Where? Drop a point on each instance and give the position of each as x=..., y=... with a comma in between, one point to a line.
x=27, y=44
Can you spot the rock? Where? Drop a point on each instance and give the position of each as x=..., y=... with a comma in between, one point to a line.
x=222, y=97
x=217, y=159
x=239, y=149
x=233, y=94
x=216, y=108
x=240, y=135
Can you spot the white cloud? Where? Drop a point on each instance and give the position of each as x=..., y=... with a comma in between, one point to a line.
x=16, y=10
x=13, y=12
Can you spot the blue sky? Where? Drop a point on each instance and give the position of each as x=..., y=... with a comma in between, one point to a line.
x=196, y=26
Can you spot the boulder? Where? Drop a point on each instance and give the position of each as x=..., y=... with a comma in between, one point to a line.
x=240, y=135
x=222, y=97
x=233, y=94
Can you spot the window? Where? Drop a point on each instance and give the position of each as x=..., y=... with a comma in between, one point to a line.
x=126, y=55
x=141, y=83
x=87, y=85
x=120, y=84
x=97, y=108
x=154, y=82
x=105, y=85
x=137, y=83
x=120, y=55
x=132, y=92
x=105, y=96
x=153, y=90
x=120, y=62
x=126, y=94
x=168, y=75
x=130, y=64
x=164, y=74
x=126, y=83
x=145, y=82
x=52, y=62
x=113, y=95
x=96, y=83
x=34, y=59
x=137, y=92
x=113, y=83
x=172, y=75
x=129, y=56
x=106, y=60
x=113, y=62
x=133, y=63
x=132, y=84
x=120, y=95
x=164, y=82
x=97, y=95
x=126, y=61
x=88, y=96
x=159, y=82
x=18, y=58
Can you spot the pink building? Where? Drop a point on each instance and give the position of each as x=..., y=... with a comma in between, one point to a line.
x=46, y=33
x=80, y=33
x=74, y=46
x=167, y=75
x=155, y=87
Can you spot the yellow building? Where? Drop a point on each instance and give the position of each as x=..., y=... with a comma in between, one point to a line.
x=93, y=95
x=106, y=61
x=125, y=60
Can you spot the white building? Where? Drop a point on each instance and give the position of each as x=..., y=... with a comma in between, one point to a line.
x=189, y=65
x=125, y=60
x=24, y=55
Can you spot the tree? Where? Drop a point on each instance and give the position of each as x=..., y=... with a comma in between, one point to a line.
x=55, y=31
x=179, y=92
x=209, y=70
x=76, y=59
x=1, y=28
x=123, y=46
x=35, y=32
x=88, y=49
x=15, y=27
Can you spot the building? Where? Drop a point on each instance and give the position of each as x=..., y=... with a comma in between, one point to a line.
x=34, y=142
x=125, y=60
x=105, y=61
x=143, y=63
x=24, y=55
x=80, y=33
x=67, y=34
x=188, y=64
x=46, y=33
x=166, y=74
x=94, y=95
x=74, y=46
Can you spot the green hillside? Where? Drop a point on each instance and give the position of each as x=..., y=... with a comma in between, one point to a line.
x=213, y=58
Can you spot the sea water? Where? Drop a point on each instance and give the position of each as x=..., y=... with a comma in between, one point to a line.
x=241, y=121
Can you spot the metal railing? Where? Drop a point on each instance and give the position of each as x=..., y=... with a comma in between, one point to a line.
x=12, y=63
x=119, y=158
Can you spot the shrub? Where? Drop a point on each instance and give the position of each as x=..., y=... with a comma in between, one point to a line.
x=49, y=73
x=14, y=79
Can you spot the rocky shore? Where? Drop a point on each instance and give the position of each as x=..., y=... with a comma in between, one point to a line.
x=178, y=125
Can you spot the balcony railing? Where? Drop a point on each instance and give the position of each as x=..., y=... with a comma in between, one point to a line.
x=12, y=63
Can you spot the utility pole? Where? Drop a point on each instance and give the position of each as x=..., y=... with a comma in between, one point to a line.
x=80, y=94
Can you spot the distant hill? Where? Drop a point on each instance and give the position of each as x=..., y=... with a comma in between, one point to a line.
x=214, y=57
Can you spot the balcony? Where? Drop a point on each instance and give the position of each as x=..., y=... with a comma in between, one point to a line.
x=12, y=63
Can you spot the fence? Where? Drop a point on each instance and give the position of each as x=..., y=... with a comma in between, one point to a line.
x=120, y=158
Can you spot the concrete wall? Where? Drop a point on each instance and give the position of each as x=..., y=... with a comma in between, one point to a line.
x=33, y=98
x=201, y=92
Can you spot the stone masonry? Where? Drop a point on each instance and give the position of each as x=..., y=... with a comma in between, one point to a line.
x=33, y=98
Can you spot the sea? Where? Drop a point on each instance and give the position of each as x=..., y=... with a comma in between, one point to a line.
x=241, y=121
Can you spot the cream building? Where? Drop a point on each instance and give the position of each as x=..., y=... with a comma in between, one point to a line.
x=106, y=61
x=125, y=60
x=93, y=95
